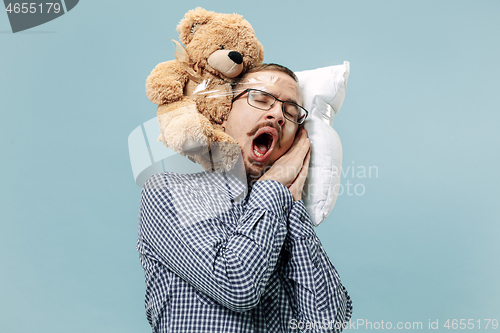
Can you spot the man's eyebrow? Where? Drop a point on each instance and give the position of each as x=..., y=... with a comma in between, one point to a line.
x=294, y=101
x=291, y=100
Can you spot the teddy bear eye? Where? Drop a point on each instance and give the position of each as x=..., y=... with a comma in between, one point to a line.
x=222, y=47
x=193, y=27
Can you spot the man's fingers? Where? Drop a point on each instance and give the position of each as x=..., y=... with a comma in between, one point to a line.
x=298, y=184
x=301, y=135
x=301, y=138
x=303, y=148
x=301, y=177
x=300, y=145
x=305, y=168
x=288, y=167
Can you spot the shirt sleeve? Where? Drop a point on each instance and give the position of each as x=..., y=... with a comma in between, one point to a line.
x=317, y=295
x=233, y=269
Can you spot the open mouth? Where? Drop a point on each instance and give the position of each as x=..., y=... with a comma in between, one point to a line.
x=263, y=143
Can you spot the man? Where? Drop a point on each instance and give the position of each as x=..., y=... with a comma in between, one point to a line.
x=217, y=259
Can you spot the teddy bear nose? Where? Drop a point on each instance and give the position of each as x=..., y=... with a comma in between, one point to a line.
x=236, y=57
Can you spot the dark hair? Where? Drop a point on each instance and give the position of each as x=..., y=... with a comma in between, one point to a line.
x=266, y=67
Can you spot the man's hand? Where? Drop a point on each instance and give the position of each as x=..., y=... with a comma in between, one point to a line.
x=298, y=184
x=291, y=168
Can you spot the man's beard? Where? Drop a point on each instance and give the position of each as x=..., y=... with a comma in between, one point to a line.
x=254, y=173
x=269, y=124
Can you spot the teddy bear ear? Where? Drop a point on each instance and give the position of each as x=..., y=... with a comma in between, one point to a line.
x=191, y=22
x=261, y=54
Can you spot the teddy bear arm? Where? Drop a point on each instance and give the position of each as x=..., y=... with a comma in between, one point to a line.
x=166, y=82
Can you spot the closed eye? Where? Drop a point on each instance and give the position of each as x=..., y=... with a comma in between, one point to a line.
x=291, y=110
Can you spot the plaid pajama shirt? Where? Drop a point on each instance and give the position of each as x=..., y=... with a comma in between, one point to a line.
x=217, y=259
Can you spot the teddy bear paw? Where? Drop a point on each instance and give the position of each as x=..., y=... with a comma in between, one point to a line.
x=192, y=145
x=187, y=133
x=221, y=156
x=224, y=155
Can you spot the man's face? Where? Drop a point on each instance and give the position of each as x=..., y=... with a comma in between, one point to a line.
x=264, y=136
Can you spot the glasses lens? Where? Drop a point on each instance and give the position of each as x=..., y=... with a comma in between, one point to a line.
x=294, y=112
x=260, y=100
x=265, y=101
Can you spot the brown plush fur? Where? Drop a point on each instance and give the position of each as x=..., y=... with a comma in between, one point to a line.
x=190, y=123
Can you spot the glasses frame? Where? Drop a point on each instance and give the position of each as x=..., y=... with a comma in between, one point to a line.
x=272, y=105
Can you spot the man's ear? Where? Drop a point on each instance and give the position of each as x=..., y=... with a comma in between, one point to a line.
x=191, y=22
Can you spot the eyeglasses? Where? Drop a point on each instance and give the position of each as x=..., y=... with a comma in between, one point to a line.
x=265, y=101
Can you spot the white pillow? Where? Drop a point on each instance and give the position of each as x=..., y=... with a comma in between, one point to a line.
x=323, y=91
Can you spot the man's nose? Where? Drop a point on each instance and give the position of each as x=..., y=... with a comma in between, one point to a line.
x=276, y=114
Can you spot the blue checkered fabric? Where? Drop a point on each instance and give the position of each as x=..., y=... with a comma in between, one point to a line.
x=217, y=259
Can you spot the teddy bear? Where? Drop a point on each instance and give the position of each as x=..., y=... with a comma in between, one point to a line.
x=194, y=92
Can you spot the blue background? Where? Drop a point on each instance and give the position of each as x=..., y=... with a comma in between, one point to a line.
x=422, y=107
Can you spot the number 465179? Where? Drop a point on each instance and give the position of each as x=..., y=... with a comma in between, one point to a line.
x=33, y=8
x=470, y=324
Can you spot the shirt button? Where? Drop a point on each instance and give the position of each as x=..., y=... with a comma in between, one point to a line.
x=277, y=249
x=284, y=208
x=303, y=219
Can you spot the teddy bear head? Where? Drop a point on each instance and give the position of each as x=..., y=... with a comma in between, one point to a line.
x=222, y=44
